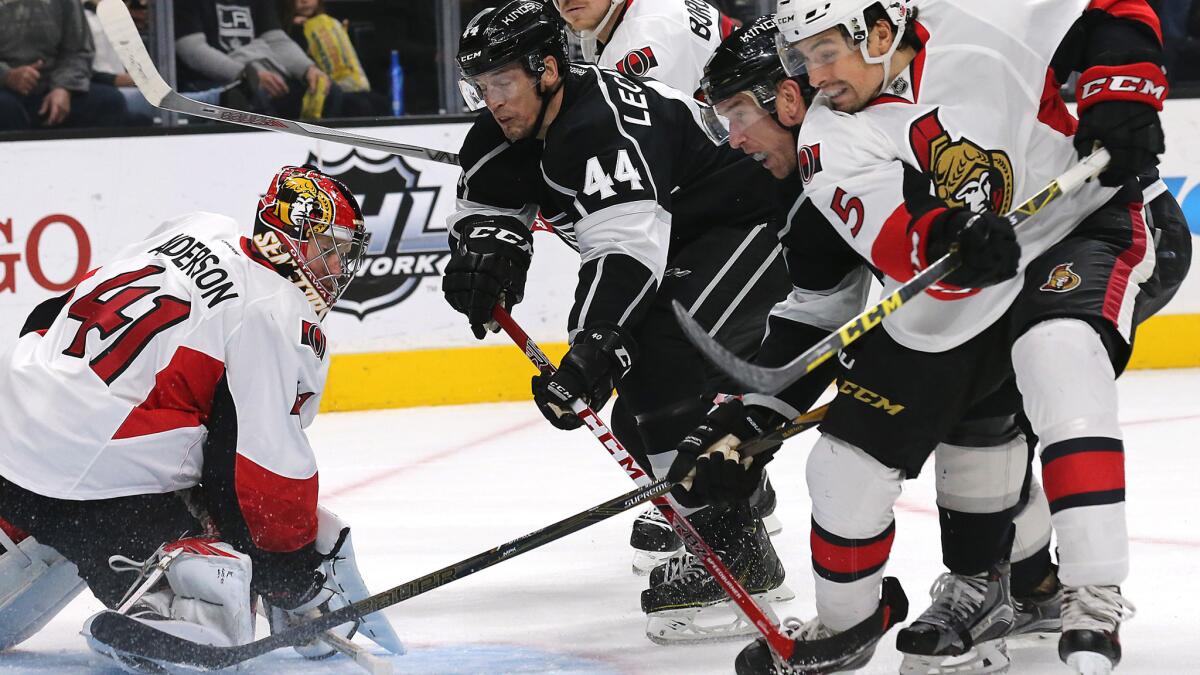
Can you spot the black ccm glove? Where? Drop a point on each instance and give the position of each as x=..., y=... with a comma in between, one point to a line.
x=487, y=266
x=722, y=476
x=1118, y=108
x=597, y=359
x=986, y=242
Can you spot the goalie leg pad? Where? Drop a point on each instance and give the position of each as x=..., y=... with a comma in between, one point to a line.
x=35, y=584
x=204, y=597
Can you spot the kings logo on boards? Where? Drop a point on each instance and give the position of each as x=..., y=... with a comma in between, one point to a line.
x=406, y=246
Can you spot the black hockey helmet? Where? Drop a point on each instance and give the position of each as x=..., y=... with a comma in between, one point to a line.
x=747, y=61
x=520, y=30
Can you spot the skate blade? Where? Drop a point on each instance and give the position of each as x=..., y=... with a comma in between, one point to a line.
x=711, y=623
x=1090, y=663
x=987, y=657
x=773, y=524
x=645, y=561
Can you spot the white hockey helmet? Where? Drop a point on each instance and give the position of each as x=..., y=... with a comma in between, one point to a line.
x=800, y=19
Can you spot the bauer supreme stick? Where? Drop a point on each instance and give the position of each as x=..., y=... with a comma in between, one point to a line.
x=122, y=33
x=773, y=380
x=776, y=639
x=140, y=639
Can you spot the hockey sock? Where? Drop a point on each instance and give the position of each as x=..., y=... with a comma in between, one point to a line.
x=852, y=529
x=1070, y=392
x=978, y=492
x=1031, y=562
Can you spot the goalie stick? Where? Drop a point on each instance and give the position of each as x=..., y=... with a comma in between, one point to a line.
x=774, y=380
x=778, y=642
x=122, y=33
x=140, y=639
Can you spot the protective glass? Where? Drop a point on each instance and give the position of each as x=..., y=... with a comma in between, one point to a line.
x=333, y=254
x=813, y=53
x=496, y=86
x=737, y=115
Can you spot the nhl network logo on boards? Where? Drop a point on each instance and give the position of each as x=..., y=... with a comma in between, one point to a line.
x=406, y=246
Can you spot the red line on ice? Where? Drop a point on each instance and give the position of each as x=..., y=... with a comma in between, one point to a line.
x=430, y=459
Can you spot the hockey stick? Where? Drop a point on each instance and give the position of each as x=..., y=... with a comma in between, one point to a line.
x=776, y=639
x=773, y=380
x=140, y=639
x=122, y=33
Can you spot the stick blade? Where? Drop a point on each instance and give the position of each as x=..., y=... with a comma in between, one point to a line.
x=756, y=378
x=123, y=34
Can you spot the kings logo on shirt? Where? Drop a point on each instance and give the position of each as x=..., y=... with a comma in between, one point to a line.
x=406, y=244
x=963, y=173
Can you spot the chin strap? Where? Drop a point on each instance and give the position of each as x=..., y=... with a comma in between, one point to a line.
x=886, y=58
x=546, y=97
x=588, y=39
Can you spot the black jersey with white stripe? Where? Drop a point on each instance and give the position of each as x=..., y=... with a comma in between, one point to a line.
x=626, y=175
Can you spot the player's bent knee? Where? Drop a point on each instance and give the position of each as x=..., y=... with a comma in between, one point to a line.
x=981, y=479
x=35, y=584
x=852, y=493
x=1067, y=380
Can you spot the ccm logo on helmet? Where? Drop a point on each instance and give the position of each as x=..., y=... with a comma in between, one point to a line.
x=637, y=62
x=1125, y=84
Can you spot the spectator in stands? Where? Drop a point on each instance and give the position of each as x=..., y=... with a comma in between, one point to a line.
x=45, y=69
x=328, y=44
x=218, y=45
x=107, y=69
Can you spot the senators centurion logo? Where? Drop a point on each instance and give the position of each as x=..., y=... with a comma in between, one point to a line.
x=963, y=173
x=406, y=246
x=637, y=62
x=1061, y=279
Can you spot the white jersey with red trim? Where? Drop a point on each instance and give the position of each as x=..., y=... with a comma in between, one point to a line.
x=115, y=397
x=976, y=120
x=669, y=40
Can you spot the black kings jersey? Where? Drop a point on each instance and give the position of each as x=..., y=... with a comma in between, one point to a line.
x=625, y=175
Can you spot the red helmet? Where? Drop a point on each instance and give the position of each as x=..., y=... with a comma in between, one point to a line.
x=310, y=227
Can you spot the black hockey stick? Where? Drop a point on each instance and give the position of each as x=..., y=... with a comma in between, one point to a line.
x=140, y=639
x=773, y=380
x=122, y=33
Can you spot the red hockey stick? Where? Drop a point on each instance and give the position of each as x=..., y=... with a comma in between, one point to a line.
x=779, y=643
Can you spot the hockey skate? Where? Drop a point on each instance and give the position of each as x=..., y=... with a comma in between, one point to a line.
x=1038, y=614
x=817, y=649
x=654, y=541
x=689, y=606
x=963, y=630
x=1091, y=621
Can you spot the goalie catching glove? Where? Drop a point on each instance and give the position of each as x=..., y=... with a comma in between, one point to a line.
x=598, y=358
x=722, y=475
x=488, y=263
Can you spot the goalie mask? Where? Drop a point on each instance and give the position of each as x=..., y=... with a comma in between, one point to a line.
x=310, y=227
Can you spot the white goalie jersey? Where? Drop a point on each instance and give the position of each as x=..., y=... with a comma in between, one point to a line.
x=185, y=356
x=669, y=40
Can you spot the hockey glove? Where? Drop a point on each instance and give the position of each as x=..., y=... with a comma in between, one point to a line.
x=599, y=357
x=487, y=266
x=1119, y=109
x=986, y=242
x=722, y=476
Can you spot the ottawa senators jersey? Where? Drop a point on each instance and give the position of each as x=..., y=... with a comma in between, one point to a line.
x=187, y=359
x=669, y=40
x=976, y=120
x=626, y=175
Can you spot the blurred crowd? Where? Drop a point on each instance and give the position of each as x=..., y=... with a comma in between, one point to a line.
x=300, y=59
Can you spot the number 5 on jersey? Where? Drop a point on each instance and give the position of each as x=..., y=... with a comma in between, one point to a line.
x=596, y=179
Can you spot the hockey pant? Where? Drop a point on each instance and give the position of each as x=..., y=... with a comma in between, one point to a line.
x=671, y=385
x=979, y=489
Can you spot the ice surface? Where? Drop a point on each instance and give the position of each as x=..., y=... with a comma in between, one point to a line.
x=427, y=487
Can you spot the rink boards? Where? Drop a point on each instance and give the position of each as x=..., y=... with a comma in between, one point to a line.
x=66, y=205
